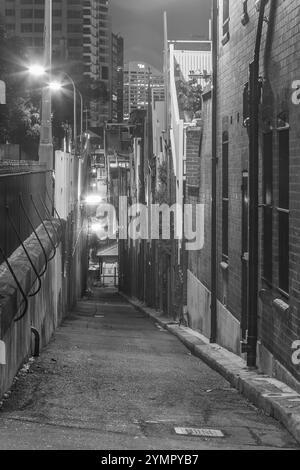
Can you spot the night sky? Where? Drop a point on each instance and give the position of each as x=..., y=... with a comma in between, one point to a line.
x=140, y=22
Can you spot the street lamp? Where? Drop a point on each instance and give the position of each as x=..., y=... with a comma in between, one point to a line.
x=75, y=108
x=55, y=86
x=46, y=144
x=93, y=199
x=36, y=70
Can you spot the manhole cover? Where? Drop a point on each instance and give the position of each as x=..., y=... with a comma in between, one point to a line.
x=199, y=432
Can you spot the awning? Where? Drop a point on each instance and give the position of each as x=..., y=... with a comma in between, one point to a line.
x=109, y=254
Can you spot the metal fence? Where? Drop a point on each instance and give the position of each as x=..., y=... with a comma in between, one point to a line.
x=23, y=203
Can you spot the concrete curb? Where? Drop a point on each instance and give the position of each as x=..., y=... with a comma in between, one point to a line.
x=275, y=398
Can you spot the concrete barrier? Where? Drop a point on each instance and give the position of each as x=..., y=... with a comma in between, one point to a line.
x=45, y=310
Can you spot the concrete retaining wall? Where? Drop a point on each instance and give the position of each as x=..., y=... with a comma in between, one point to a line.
x=228, y=329
x=45, y=310
x=198, y=301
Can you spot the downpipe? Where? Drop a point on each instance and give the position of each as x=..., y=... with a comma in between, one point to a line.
x=254, y=83
x=213, y=306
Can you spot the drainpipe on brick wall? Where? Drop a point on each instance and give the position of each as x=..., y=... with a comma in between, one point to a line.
x=253, y=194
x=269, y=37
x=213, y=305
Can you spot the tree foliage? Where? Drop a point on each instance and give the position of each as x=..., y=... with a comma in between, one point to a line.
x=189, y=96
x=161, y=195
x=24, y=124
x=20, y=117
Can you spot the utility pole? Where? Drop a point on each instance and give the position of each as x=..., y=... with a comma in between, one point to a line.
x=46, y=145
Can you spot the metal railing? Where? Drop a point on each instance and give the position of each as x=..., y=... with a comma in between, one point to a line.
x=25, y=204
x=22, y=203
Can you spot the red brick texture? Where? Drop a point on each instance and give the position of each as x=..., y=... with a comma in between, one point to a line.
x=279, y=67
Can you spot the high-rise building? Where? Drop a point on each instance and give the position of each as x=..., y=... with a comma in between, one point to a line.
x=97, y=58
x=81, y=44
x=25, y=19
x=117, y=81
x=137, y=77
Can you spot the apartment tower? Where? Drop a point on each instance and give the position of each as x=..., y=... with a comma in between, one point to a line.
x=81, y=44
x=137, y=77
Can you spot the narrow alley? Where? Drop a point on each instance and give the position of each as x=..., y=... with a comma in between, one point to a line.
x=150, y=227
x=111, y=378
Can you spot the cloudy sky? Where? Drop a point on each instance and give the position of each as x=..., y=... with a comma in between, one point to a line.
x=140, y=22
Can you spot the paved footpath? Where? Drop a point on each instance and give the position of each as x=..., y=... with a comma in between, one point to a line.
x=113, y=379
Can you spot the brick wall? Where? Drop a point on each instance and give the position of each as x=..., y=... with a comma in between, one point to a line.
x=279, y=324
x=193, y=136
x=280, y=65
x=199, y=261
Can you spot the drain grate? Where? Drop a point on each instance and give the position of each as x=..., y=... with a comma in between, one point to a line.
x=199, y=432
x=98, y=316
x=281, y=395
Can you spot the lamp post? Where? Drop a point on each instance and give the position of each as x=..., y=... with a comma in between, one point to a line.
x=74, y=108
x=57, y=86
x=46, y=145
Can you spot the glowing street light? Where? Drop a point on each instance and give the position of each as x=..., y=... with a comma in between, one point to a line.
x=55, y=86
x=37, y=70
x=96, y=227
x=92, y=199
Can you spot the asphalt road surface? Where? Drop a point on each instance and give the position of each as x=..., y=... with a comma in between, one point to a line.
x=113, y=379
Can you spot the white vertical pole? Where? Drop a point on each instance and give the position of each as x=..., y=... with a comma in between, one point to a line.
x=166, y=69
x=46, y=146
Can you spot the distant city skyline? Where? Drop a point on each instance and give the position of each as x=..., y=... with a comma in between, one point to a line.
x=141, y=24
x=136, y=86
